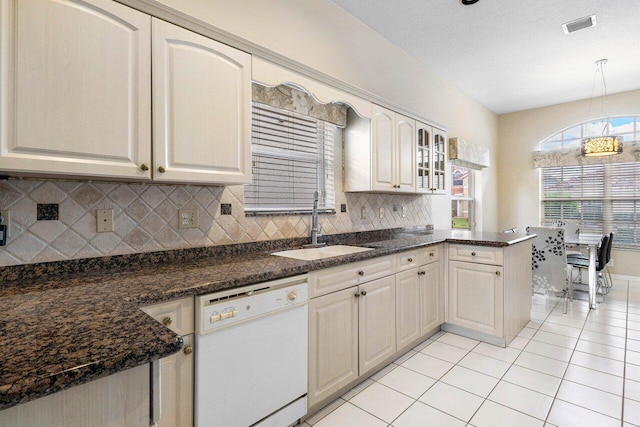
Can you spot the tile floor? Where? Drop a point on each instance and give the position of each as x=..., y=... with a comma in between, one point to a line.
x=576, y=369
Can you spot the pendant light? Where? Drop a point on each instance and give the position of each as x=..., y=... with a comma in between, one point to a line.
x=606, y=144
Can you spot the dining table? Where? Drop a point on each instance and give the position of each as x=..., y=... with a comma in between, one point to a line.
x=592, y=242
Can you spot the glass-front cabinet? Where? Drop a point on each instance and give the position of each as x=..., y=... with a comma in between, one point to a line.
x=431, y=160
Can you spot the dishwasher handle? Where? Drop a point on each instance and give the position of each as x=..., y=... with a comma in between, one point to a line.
x=154, y=401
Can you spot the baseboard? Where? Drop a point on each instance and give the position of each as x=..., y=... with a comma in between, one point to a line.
x=624, y=277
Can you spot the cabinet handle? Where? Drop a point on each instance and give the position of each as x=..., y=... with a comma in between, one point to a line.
x=357, y=295
x=188, y=350
x=363, y=293
x=167, y=321
x=161, y=169
x=431, y=254
x=421, y=273
x=498, y=273
x=473, y=254
x=410, y=259
x=144, y=167
x=360, y=273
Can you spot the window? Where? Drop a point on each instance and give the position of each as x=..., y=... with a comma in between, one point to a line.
x=292, y=157
x=603, y=198
x=461, y=198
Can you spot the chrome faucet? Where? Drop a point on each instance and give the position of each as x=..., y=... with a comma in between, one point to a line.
x=315, y=228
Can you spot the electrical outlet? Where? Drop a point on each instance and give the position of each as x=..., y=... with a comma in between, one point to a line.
x=363, y=213
x=403, y=212
x=381, y=213
x=6, y=220
x=188, y=218
x=104, y=220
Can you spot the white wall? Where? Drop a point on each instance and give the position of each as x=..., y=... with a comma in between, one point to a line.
x=520, y=134
x=320, y=35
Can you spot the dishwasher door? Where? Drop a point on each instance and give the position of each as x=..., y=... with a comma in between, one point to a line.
x=249, y=371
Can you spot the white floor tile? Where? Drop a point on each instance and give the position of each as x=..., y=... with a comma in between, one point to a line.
x=519, y=343
x=471, y=381
x=445, y=352
x=533, y=380
x=408, y=355
x=633, y=335
x=427, y=365
x=601, y=350
x=407, y=382
x=555, y=339
x=349, y=415
x=527, y=333
x=603, y=338
x=548, y=350
x=541, y=364
x=632, y=412
x=423, y=345
x=602, y=364
x=561, y=329
x=325, y=411
x=458, y=341
x=485, y=364
x=632, y=372
x=566, y=321
x=633, y=357
x=605, y=329
x=595, y=379
x=452, y=400
x=632, y=390
x=522, y=399
x=492, y=414
x=620, y=323
x=596, y=400
x=533, y=324
x=633, y=345
x=382, y=402
x=508, y=354
x=567, y=415
x=357, y=389
x=384, y=371
x=421, y=415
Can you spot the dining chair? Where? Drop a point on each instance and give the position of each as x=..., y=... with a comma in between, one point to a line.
x=608, y=281
x=551, y=273
x=583, y=263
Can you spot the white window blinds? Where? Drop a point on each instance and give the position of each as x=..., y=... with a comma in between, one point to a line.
x=603, y=198
x=292, y=158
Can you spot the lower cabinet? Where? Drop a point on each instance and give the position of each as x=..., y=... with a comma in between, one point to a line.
x=177, y=370
x=475, y=297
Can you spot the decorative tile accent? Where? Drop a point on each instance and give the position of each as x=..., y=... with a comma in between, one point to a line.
x=47, y=212
x=145, y=218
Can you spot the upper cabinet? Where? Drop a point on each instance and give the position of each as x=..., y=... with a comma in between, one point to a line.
x=380, y=156
x=201, y=108
x=431, y=160
x=75, y=79
x=76, y=86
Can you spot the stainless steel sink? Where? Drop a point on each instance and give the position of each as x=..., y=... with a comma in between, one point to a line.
x=312, y=254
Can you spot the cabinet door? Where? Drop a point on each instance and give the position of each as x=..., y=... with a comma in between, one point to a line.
x=333, y=343
x=383, y=156
x=176, y=387
x=431, y=297
x=75, y=77
x=201, y=108
x=439, y=166
x=376, y=322
x=475, y=297
x=406, y=154
x=423, y=160
x=408, y=307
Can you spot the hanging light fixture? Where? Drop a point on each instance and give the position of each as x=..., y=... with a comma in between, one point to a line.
x=606, y=144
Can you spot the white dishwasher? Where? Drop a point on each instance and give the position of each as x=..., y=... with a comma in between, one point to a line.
x=251, y=355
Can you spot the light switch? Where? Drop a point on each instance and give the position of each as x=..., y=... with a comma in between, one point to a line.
x=104, y=220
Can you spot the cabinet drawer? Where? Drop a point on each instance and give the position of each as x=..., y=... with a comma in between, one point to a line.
x=432, y=254
x=333, y=279
x=176, y=315
x=478, y=254
x=410, y=259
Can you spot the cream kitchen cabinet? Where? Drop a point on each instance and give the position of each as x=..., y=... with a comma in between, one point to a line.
x=177, y=370
x=201, y=108
x=351, y=331
x=419, y=296
x=380, y=155
x=431, y=160
x=489, y=291
x=76, y=89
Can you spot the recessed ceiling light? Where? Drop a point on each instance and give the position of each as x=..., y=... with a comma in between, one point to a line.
x=579, y=24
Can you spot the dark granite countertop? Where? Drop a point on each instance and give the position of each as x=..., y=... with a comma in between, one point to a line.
x=67, y=323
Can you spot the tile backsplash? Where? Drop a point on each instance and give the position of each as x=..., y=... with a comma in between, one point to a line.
x=145, y=218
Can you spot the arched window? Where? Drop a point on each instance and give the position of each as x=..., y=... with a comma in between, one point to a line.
x=602, y=198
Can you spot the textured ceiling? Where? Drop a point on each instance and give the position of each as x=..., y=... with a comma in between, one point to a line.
x=512, y=55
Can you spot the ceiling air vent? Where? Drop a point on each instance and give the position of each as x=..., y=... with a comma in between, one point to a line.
x=579, y=24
